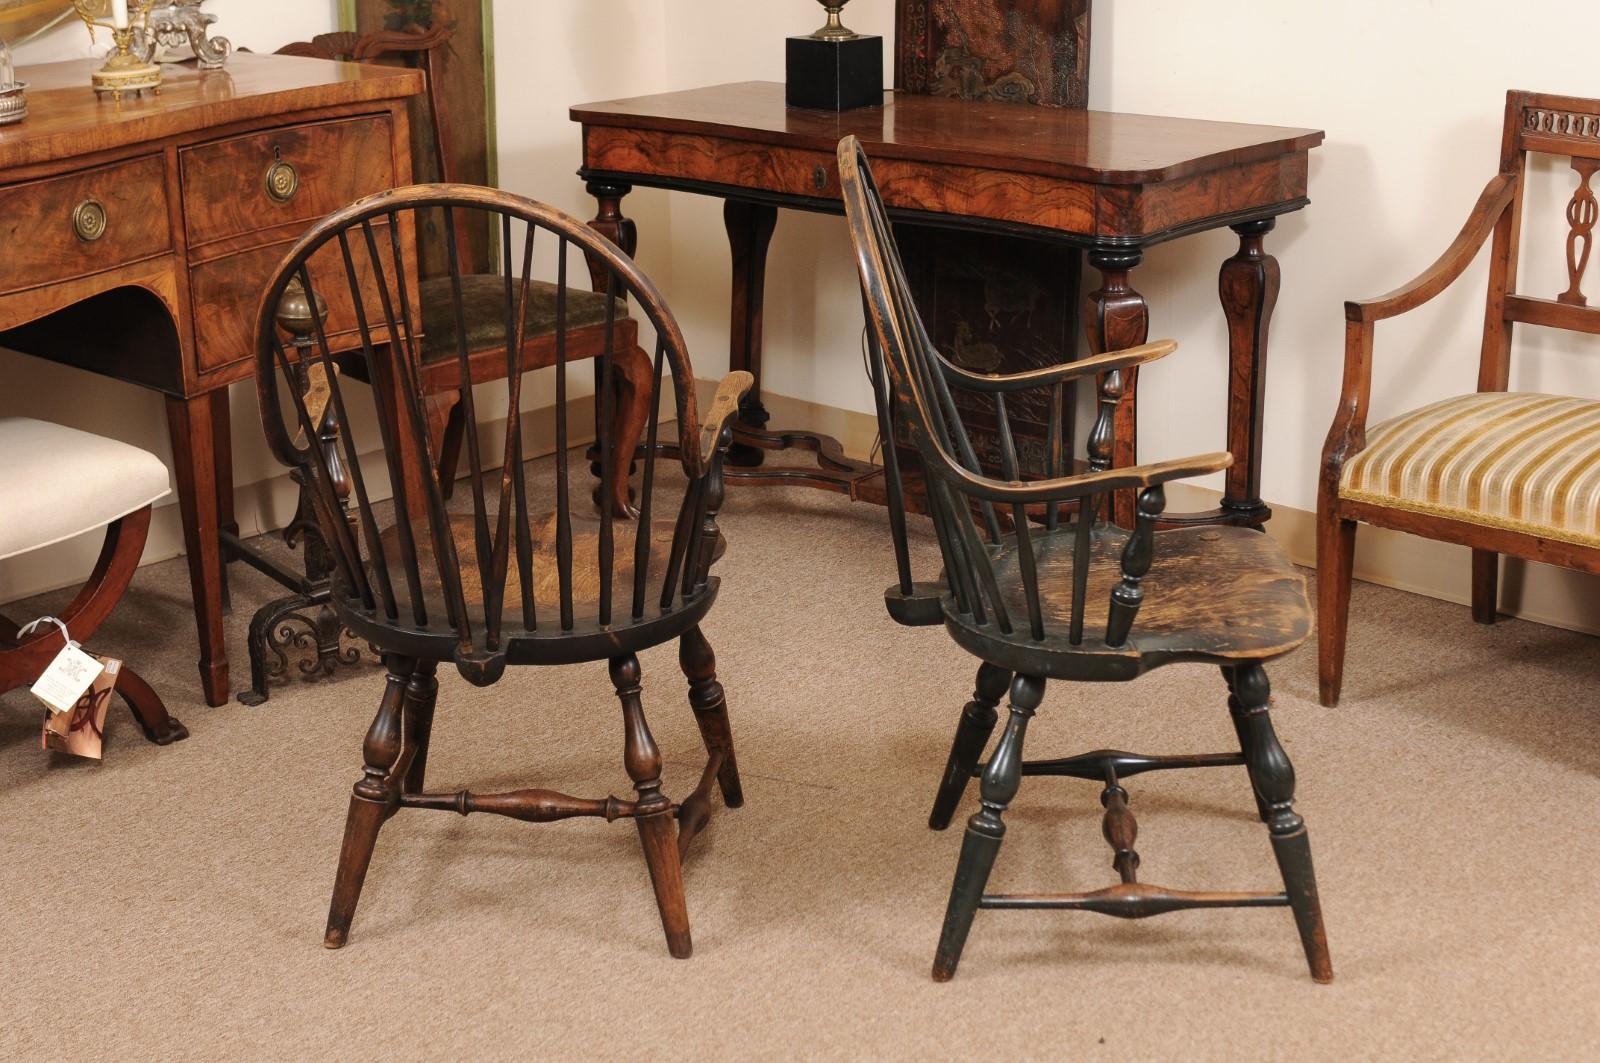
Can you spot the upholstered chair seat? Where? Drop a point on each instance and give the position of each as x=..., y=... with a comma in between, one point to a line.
x=1515, y=460
x=59, y=482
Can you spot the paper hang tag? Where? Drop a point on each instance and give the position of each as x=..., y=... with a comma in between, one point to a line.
x=81, y=732
x=318, y=394
x=67, y=679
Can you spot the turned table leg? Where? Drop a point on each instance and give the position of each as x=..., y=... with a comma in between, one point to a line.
x=610, y=222
x=190, y=423
x=1248, y=285
x=749, y=228
x=1116, y=317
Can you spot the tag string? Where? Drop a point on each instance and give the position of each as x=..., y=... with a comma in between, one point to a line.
x=66, y=636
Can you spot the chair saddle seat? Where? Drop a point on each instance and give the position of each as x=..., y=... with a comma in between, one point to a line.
x=57, y=482
x=585, y=570
x=1216, y=594
x=483, y=303
x=1515, y=460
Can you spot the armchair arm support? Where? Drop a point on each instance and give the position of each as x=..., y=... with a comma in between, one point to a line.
x=724, y=405
x=1497, y=196
x=1067, y=488
x=1053, y=374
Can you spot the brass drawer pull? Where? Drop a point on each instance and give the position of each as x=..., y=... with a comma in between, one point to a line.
x=283, y=181
x=89, y=220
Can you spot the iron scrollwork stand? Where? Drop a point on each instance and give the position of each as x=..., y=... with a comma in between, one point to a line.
x=303, y=622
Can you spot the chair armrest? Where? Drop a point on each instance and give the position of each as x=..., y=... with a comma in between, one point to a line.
x=1497, y=196
x=1067, y=488
x=1054, y=374
x=724, y=404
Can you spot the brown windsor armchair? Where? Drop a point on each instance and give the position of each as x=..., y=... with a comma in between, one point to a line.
x=506, y=581
x=1066, y=598
x=586, y=310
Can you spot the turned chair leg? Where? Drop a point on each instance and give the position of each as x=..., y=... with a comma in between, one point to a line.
x=972, y=735
x=986, y=829
x=657, y=830
x=371, y=801
x=710, y=707
x=1485, y=586
x=1336, y=551
x=1273, y=778
x=422, y=693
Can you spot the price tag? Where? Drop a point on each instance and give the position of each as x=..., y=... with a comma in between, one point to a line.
x=67, y=679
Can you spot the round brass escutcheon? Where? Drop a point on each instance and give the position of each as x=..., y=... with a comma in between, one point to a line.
x=89, y=220
x=283, y=181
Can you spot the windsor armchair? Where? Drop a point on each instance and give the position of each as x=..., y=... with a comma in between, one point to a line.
x=507, y=581
x=1065, y=599
x=586, y=310
x=1500, y=471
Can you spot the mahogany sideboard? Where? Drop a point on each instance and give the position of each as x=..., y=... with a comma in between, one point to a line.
x=139, y=234
x=1112, y=184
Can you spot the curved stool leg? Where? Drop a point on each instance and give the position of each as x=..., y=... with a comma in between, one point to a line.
x=148, y=709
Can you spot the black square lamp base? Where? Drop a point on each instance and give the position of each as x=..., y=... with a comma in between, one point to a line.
x=834, y=75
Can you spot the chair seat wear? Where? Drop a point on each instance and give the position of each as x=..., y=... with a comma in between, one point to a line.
x=483, y=303
x=1218, y=595
x=1515, y=460
x=59, y=482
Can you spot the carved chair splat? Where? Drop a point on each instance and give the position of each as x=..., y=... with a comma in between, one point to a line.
x=1047, y=598
x=508, y=577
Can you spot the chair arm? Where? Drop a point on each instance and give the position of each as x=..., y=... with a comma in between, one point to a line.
x=1497, y=196
x=1067, y=488
x=724, y=405
x=1054, y=374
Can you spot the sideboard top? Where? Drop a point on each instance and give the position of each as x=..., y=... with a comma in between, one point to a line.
x=66, y=118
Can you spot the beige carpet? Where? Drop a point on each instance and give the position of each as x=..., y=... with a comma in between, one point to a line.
x=169, y=904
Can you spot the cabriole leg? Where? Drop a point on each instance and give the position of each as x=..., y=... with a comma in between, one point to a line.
x=657, y=829
x=986, y=829
x=373, y=796
x=1273, y=778
x=972, y=735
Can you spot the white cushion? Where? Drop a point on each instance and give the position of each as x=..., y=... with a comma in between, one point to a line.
x=57, y=482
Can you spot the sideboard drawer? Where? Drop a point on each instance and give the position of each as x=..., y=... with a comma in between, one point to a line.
x=82, y=223
x=296, y=175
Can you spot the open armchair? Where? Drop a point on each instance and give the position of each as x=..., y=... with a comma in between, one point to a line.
x=522, y=573
x=1500, y=471
x=1064, y=594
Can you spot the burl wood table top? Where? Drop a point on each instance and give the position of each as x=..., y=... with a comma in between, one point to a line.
x=66, y=118
x=1102, y=147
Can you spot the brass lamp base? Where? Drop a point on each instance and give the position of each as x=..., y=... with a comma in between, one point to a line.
x=125, y=73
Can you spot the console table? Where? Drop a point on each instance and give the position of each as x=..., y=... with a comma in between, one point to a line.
x=138, y=236
x=1112, y=184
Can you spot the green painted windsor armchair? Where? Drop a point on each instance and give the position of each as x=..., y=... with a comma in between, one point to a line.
x=1038, y=587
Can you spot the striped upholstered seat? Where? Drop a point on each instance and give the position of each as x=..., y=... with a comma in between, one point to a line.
x=1514, y=460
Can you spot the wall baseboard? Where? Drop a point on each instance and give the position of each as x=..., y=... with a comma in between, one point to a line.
x=1540, y=593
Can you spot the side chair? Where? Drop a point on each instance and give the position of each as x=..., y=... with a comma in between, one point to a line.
x=585, y=311
x=1504, y=472
x=521, y=575
x=1063, y=594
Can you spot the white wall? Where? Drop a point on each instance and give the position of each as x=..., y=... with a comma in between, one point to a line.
x=1409, y=93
